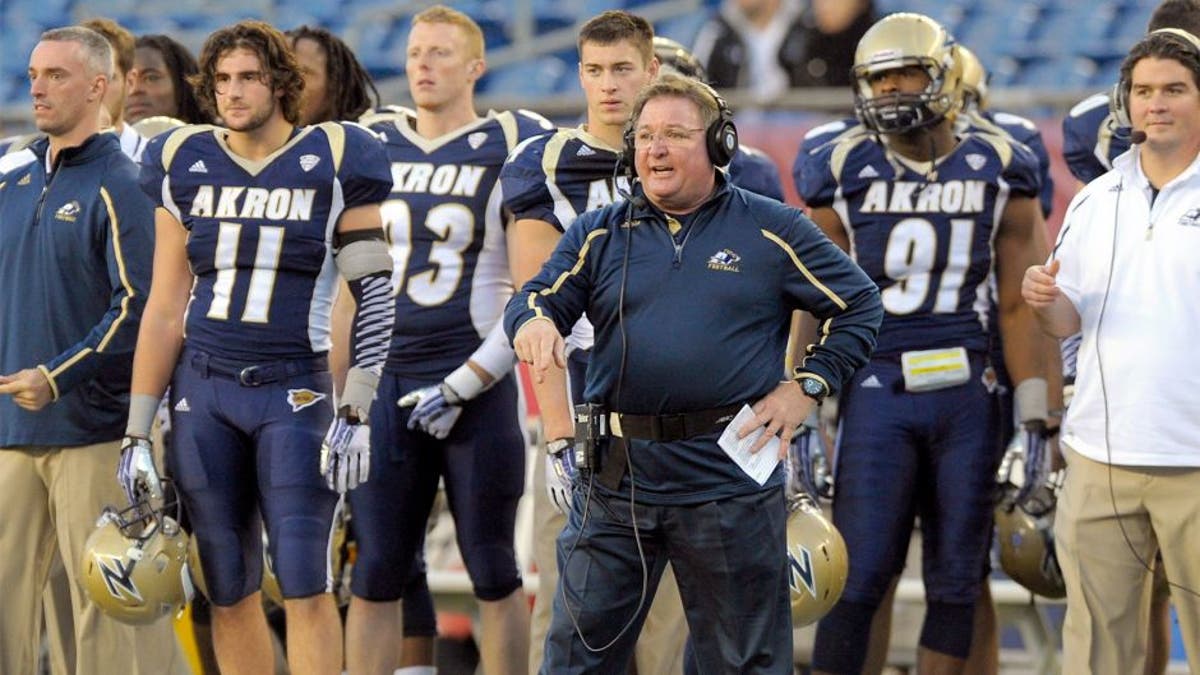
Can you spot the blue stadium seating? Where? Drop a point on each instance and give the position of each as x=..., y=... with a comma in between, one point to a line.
x=537, y=77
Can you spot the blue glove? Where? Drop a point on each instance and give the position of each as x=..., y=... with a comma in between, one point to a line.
x=561, y=472
x=136, y=472
x=810, y=469
x=346, y=455
x=1037, y=459
x=435, y=409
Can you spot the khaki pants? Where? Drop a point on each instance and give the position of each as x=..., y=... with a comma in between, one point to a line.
x=1108, y=587
x=659, y=650
x=50, y=498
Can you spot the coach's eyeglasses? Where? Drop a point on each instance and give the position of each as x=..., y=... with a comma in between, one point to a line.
x=675, y=137
x=223, y=81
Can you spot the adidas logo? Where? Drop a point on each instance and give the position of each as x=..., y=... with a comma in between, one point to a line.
x=868, y=171
x=198, y=167
x=585, y=151
x=871, y=382
x=183, y=406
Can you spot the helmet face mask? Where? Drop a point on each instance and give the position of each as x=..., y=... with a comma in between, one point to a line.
x=134, y=566
x=678, y=59
x=900, y=41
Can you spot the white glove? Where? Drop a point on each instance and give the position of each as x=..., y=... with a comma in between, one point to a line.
x=346, y=455
x=136, y=471
x=561, y=472
x=436, y=409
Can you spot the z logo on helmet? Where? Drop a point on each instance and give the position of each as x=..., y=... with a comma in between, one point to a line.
x=116, y=573
x=800, y=570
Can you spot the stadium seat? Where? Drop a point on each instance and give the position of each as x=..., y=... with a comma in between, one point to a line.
x=536, y=77
x=683, y=28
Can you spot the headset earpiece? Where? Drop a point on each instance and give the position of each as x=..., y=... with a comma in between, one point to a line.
x=721, y=137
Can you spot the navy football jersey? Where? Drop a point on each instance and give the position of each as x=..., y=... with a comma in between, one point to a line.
x=1025, y=132
x=923, y=233
x=1092, y=139
x=446, y=224
x=260, y=232
x=753, y=170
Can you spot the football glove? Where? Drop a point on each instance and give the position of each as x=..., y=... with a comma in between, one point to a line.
x=1037, y=459
x=136, y=472
x=561, y=472
x=809, y=471
x=346, y=454
x=435, y=409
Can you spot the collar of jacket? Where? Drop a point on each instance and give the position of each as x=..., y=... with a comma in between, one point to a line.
x=93, y=146
x=641, y=208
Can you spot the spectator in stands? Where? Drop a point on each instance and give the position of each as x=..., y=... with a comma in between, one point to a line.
x=768, y=46
x=831, y=28
x=158, y=82
x=336, y=85
x=1130, y=439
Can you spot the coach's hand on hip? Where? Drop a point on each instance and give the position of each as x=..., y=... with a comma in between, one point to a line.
x=539, y=344
x=29, y=388
x=782, y=411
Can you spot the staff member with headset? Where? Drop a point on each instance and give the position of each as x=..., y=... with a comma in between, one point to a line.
x=690, y=285
x=1121, y=273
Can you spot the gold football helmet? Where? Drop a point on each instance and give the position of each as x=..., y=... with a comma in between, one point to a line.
x=974, y=79
x=153, y=126
x=817, y=562
x=678, y=59
x=899, y=41
x=1025, y=534
x=134, y=566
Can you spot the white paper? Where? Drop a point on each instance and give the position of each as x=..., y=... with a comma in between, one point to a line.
x=758, y=465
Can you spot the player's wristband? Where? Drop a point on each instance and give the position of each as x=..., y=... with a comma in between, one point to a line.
x=358, y=392
x=464, y=383
x=142, y=408
x=1030, y=398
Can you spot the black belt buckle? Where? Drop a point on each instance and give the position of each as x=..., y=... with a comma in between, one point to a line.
x=248, y=376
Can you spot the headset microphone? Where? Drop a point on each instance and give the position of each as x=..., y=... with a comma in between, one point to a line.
x=635, y=201
x=1137, y=136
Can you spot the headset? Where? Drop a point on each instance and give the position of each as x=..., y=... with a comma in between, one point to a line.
x=720, y=138
x=1119, y=98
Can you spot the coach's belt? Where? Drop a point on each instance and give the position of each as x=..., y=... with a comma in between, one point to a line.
x=255, y=374
x=670, y=427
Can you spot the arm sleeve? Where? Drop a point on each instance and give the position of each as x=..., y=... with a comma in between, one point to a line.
x=365, y=172
x=813, y=173
x=560, y=292
x=124, y=219
x=822, y=280
x=525, y=184
x=1022, y=173
x=754, y=171
x=495, y=355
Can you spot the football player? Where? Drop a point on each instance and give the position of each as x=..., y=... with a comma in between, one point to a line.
x=447, y=404
x=934, y=219
x=336, y=85
x=255, y=221
x=158, y=82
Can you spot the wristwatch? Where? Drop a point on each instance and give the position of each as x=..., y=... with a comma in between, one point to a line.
x=813, y=387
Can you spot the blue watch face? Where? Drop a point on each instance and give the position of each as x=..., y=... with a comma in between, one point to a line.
x=812, y=387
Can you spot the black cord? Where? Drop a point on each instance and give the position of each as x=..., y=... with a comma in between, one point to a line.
x=1112, y=493
x=629, y=201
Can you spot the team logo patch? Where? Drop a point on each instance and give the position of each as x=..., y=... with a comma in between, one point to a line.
x=725, y=261
x=24, y=180
x=198, y=167
x=585, y=151
x=307, y=162
x=800, y=571
x=1191, y=218
x=302, y=398
x=476, y=139
x=868, y=171
x=68, y=212
x=117, y=574
x=976, y=161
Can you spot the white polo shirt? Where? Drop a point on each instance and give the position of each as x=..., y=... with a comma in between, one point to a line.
x=1137, y=392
